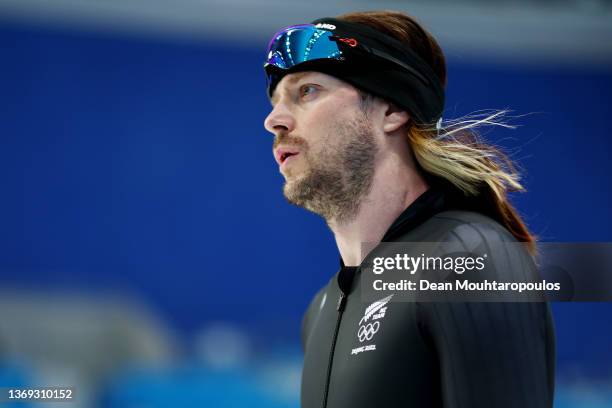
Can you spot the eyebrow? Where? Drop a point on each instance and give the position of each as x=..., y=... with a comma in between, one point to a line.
x=290, y=80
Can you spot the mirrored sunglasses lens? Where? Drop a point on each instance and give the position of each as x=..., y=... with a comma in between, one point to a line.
x=300, y=44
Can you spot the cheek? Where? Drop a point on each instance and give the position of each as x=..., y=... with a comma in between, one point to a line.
x=320, y=125
x=319, y=121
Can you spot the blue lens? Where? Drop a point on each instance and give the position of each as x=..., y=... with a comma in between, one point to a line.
x=296, y=44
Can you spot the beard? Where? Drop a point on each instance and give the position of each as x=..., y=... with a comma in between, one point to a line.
x=339, y=175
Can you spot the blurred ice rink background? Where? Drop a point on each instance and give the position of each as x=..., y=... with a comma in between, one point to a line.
x=147, y=256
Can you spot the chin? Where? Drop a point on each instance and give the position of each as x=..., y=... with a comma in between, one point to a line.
x=293, y=177
x=293, y=190
x=289, y=188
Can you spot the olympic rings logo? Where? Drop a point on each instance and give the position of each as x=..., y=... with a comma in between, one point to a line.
x=366, y=332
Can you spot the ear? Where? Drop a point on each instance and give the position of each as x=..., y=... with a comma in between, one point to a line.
x=395, y=118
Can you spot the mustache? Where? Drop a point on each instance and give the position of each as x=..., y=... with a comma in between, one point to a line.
x=284, y=138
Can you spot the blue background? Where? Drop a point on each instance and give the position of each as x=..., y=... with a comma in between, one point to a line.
x=141, y=166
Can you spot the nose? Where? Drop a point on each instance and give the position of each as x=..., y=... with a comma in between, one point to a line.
x=279, y=120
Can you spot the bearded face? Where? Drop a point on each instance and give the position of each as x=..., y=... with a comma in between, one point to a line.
x=332, y=177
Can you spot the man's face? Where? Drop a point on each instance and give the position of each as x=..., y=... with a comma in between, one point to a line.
x=324, y=144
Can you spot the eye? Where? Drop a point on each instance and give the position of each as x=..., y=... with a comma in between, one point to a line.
x=306, y=90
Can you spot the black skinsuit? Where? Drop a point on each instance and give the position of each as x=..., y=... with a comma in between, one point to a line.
x=427, y=354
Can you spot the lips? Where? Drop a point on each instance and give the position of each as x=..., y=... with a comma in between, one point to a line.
x=281, y=154
x=286, y=155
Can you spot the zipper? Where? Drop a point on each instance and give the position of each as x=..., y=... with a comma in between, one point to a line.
x=340, y=309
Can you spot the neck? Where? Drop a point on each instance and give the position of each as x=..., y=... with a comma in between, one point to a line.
x=378, y=209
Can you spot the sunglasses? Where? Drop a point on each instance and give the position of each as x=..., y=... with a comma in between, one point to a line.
x=302, y=43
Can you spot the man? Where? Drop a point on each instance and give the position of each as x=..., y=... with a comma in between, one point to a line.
x=357, y=102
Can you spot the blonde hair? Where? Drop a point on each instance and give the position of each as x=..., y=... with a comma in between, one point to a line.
x=455, y=152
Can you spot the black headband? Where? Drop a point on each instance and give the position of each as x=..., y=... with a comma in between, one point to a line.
x=389, y=69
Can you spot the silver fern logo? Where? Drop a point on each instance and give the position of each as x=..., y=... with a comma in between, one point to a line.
x=370, y=324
